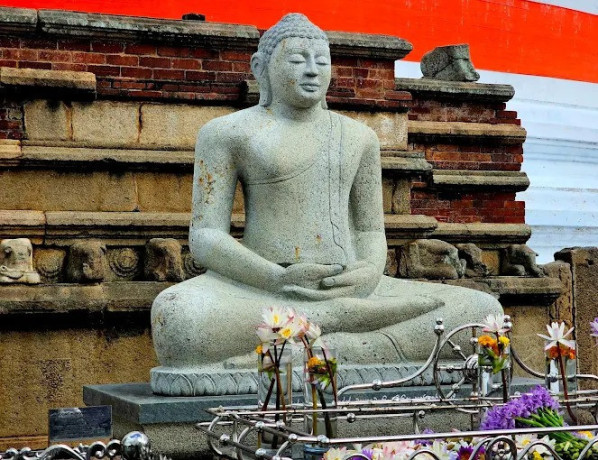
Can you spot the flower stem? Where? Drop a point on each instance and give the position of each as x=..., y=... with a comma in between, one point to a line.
x=331, y=375
x=565, y=392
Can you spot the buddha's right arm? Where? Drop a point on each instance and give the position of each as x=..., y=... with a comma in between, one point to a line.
x=214, y=182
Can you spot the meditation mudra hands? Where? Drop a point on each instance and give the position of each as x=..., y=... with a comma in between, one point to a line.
x=308, y=281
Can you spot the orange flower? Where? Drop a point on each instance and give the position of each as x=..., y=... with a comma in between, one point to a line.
x=487, y=341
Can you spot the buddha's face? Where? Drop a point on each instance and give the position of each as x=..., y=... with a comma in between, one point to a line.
x=299, y=71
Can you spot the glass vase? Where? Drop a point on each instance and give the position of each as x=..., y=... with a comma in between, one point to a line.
x=319, y=394
x=494, y=367
x=558, y=362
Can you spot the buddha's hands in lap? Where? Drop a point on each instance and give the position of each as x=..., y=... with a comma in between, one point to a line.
x=323, y=282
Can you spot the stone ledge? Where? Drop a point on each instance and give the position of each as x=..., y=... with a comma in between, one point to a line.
x=461, y=180
x=48, y=83
x=368, y=45
x=405, y=162
x=480, y=233
x=525, y=291
x=514, y=290
x=19, y=20
x=62, y=228
x=70, y=157
x=463, y=91
x=115, y=27
x=60, y=299
x=447, y=132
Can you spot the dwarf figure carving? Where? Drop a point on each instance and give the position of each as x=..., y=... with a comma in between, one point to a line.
x=520, y=260
x=16, y=262
x=86, y=262
x=430, y=259
x=449, y=63
x=471, y=258
x=163, y=260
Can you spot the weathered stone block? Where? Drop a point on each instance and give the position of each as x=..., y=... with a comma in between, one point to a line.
x=430, y=259
x=391, y=128
x=106, y=123
x=174, y=195
x=175, y=125
x=48, y=120
x=54, y=191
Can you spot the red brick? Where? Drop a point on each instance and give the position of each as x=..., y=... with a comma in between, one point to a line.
x=69, y=66
x=145, y=94
x=105, y=83
x=89, y=58
x=170, y=87
x=361, y=73
x=141, y=49
x=20, y=54
x=9, y=42
x=230, y=55
x=342, y=72
x=398, y=95
x=161, y=74
x=202, y=53
x=173, y=51
x=104, y=70
x=129, y=85
x=136, y=72
x=108, y=47
x=241, y=67
x=382, y=74
x=217, y=65
x=344, y=62
x=181, y=95
x=188, y=64
x=55, y=56
x=231, y=77
x=196, y=88
x=74, y=45
x=116, y=59
x=39, y=43
x=35, y=65
x=159, y=62
x=7, y=63
x=200, y=76
x=7, y=124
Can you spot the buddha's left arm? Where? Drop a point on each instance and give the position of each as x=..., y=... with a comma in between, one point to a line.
x=366, y=207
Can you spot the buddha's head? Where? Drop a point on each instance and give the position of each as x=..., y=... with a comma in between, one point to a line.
x=292, y=63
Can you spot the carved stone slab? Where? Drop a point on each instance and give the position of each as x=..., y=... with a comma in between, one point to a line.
x=232, y=382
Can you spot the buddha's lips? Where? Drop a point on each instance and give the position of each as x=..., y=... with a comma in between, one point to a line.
x=310, y=86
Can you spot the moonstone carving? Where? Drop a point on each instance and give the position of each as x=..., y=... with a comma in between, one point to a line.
x=86, y=262
x=163, y=261
x=50, y=263
x=124, y=263
x=314, y=233
x=449, y=63
x=16, y=262
x=520, y=260
x=430, y=259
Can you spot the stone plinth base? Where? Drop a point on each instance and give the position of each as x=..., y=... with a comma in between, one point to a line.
x=176, y=382
x=169, y=421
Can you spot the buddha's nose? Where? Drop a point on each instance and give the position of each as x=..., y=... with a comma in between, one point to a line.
x=311, y=68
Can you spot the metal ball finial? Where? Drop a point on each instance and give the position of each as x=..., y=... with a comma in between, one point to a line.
x=135, y=446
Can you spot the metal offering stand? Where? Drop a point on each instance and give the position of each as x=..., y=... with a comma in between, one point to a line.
x=239, y=432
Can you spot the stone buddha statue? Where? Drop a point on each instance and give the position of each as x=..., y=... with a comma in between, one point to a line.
x=314, y=233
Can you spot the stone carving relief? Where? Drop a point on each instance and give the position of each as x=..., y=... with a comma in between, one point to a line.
x=124, y=263
x=520, y=260
x=50, y=263
x=86, y=262
x=430, y=259
x=16, y=262
x=392, y=266
x=471, y=258
x=163, y=260
x=449, y=63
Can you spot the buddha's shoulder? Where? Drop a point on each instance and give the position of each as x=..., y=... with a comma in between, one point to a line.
x=234, y=126
x=356, y=129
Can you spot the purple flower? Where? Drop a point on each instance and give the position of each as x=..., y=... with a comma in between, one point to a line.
x=594, y=327
x=425, y=442
x=504, y=417
x=464, y=452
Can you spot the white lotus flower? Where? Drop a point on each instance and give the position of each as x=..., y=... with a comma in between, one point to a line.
x=556, y=335
x=495, y=323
